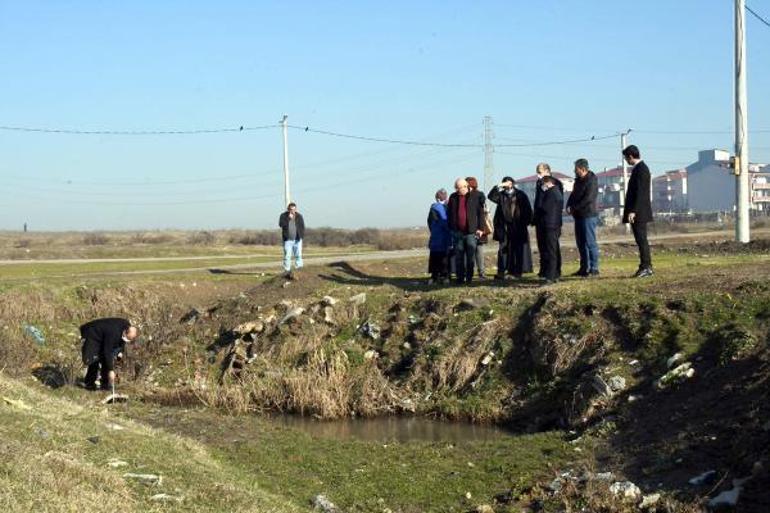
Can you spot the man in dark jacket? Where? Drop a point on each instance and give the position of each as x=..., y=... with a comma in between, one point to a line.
x=292, y=226
x=638, y=207
x=512, y=217
x=465, y=212
x=542, y=170
x=548, y=219
x=582, y=205
x=104, y=341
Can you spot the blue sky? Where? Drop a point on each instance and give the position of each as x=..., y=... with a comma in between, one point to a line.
x=544, y=71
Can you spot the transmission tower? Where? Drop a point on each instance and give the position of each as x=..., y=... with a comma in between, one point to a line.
x=489, y=150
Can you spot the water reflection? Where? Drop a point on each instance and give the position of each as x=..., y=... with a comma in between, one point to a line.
x=398, y=429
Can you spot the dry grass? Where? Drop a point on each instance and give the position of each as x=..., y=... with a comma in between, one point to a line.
x=49, y=465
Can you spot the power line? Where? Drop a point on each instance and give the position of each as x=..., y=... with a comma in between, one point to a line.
x=135, y=132
x=444, y=145
x=758, y=16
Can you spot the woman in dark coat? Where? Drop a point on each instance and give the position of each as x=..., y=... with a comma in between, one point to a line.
x=440, y=239
x=512, y=217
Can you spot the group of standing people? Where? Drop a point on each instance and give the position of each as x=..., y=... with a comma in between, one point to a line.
x=460, y=224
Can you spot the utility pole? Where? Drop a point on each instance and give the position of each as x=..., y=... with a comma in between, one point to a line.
x=286, y=194
x=741, y=128
x=624, y=167
x=489, y=150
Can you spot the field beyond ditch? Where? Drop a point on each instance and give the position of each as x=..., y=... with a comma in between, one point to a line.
x=370, y=338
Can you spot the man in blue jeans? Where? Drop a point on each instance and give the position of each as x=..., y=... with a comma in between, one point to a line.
x=293, y=231
x=583, y=207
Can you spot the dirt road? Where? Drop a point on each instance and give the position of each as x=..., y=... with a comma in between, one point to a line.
x=275, y=264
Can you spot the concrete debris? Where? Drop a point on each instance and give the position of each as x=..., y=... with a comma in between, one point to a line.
x=671, y=361
x=617, y=384
x=292, y=314
x=358, y=299
x=633, y=363
x=328, y=301
x=328, y=318
x=487, y=358
x=371, y=354
x=627, y=489
x=601, y=386
x=116, y=463
x=604, y=476
x=729, y=498
x=676, y=375
x=148, y=479
x=704, y=479
x=320, y=502
x=250, y=327
x=649, y=501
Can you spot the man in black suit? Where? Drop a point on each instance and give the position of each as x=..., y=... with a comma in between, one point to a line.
x=638, y=207
x=104, y=341
x=548, y=218
x=542, y=170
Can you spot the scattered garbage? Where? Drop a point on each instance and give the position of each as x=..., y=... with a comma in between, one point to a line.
x=148, y=479
x=627, y=489
x=370, y=330
x=649, y=501
x=328, y=301
x=292, y=314
x=116, y=463
x=671, y=361
x=164, y=497
x=676, y=375
x=35, y=333
x=706, y=478
x=358, y=299
x=115, y=398
x=729, y=498
x=320, y=502
x=617, y=384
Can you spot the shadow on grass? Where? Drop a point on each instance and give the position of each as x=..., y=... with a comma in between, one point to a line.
x=349, y=275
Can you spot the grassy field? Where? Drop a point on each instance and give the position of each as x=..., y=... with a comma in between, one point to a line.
x=709, y=301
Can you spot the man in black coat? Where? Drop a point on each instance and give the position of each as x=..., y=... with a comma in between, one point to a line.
x=548, y=219
x=583, y=206
x=638, y=207
x=465, y=213
x=542, y=170
x=104, y=341
x=512, y=217
x=292, y=226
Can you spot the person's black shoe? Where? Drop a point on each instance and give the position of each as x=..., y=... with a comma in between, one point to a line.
x=644, y=273
x=482, y=277
x=499, y=277
x=580, y=273
x=91, y=387
x=593, y=274
x=547, y=281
